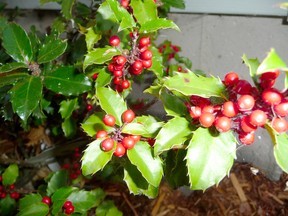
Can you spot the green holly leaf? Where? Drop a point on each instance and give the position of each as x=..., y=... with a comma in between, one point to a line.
x=173, y=105
x=135, y=129
x=66, y=81
x=252, y=64
x=107, y=208
x=100, y=56
x=184, y=60
x=59, y=179
x=104, y=78
x=169, y=137
x=94, y=158
x=111, y=102
x=157, y=66
x=158, y=24
x=35, y=209
x=28, y=199
x=51, y=50
x=95, y=123
x=59, y=198
x=144, y=11
x=12, y=67
x=16, y=43
x=151, y=125
x=12, y=78
x=272, y=62
x=69, y=127
x=192, y=84
x=7, y=206
x=150, y=167
x=82, y=200
x=136, y=183
x=177, y=4
x=209, y=157
x=154, y=90
x=25, y=96
x=67, y=107
x=10, y=174
x=91, y=37
x=66, y=8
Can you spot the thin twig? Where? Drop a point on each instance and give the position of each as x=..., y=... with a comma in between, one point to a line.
x=130, y=204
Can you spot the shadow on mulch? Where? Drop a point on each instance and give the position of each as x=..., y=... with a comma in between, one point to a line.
x=242, y=193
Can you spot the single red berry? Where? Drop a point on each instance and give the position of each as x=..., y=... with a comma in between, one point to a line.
x=76, y=165
x=206, y=119
x=128, y=142
x=107, y=144
x=94, y=76
x=46, y=200
x=111, y=67
x=101, y=134
x=119, y=88
x=271, y=96
x=89, y=107
x=15, y=195
x=136, y=138
x=144, y=41
x=137, y=67
x=69, y=210
x=208, y=109
x=125, y=3
x=151, y=141
x=146, y=55
x=247, y=138
x=229, y=109
x=67, y=204
x=66, y=166
x=117, y=80
x=271, y=75
x=280, y=125
x=147, y=63
x=246, y=126
x=120, y=150
x=73, y=176
x=199, y=101
x=245, y=102
x=223, y=124
x=258, y=118
x=179, y=69
x=114, y=40
x=125, y=84
x=11, y=187
x=128, y=116
x=2, y=195
x=109, y=120
x=195, y=112
x=2, y=188
x=281, y=109
x=242, y=87
x=231, y=78
x=120, y=60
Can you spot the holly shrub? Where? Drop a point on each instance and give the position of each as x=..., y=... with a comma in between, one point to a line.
x=77, y=81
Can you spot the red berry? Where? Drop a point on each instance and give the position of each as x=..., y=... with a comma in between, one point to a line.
x=271, y=96
x=231, y=78
x=66, y=166
x=111, y=67
x=136, y=138
x=147, y=63
x=46, y=200
x=223, y=124
x=146, y=55
x=119, y=88
x=11, y=187
x=67, y=204
x=258, y=118
x=245, y=103
x=199, y=101
x=281, y=109
x=280, y=125
x=94, y=76
x=242, y=87
x=247, y=138
x=151, y=141
x=246, y=126
x=120, y=60
x=125, y=3
x=229, y=109
x=107, y=144
x=73, y=176
x=195, y=112
x=128, y=116
x=120, y=150
x=3, y=194
x=128, y=142
x=208, y=109
x=101, y=134
x=117, y=80
x=114, y=40
x=271, y=75
x=125, y=84
x=15, y=195
x=89, y=107
x=69, y=210
x=206, y=119
x=109, y=120
x=118, y=73
x=144, y=41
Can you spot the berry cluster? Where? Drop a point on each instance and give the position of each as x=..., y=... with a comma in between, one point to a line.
x=123, y=141
x=131, y=63
x=247, y=108
x=10, y=189
x=67, y=207
x=74, y=168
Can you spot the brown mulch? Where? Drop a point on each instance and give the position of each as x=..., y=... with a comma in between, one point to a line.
x=242, y=193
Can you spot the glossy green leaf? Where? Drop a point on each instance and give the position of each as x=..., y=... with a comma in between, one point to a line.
x=59, y=198
x=94, y=123
x=12, y=66
x=169, y=137
x=82, y=200
x=209, y=157
x=66, y=81
x=177, y=4
x=158, y=24
x=157, y=66
x=25, y=96
x=151, y=125
x=151, y=167
x=16, y=43
x=10, y=174
x=67, y=107
x=104, y=78
x=91, y=37
x=192, y=84
x=111, y=102
x=136, y=183
x=144, y=11
x=66, y=9
x=3, y=23
x=272, y=62
x=173, y=105
x=135, y=128
x=252, y=64
x=35, y=209
x=100, y=56
x=7, y=206
x=12, y=78
x=107, y=208
x=154, y=90
x=184, y=60
x=28, y=199
x=51, y=50
x=59, y=179
x=94, y=158
x=69, y=127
